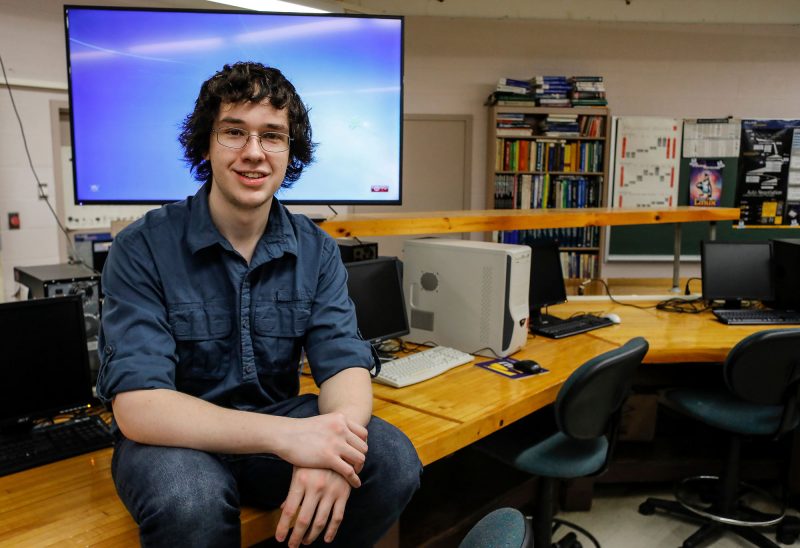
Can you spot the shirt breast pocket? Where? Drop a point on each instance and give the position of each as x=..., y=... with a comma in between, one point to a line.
x=203, y=340
x=280, y=327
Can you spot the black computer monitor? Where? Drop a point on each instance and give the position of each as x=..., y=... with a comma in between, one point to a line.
x=786, y=270
x=376, y=289
x=736, y=271
x=44, y=368
x=547, y=280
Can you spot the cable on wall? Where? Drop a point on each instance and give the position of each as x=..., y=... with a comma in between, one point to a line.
x=73, y=256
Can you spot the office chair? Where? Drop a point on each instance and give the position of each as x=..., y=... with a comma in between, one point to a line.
x=587, y=412
x=504, y=527
x=762, y=375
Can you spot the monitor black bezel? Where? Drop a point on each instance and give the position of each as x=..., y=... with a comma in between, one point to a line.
x=288, y=201
x=733, y=301
x=375, y=341
x=26, y=419
x=535, y=309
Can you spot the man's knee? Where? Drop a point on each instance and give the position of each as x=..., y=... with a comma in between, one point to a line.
x=196, y=497
x=177, y=494
x=392, y=460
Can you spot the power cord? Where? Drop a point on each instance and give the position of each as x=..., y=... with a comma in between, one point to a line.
x=72, y=252
x=690, y=306
x=610, y=296
x=686, y=290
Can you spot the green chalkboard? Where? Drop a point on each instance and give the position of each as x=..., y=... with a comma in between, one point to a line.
x=628, y=242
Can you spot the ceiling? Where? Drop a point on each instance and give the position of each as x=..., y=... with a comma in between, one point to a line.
x=664, y=11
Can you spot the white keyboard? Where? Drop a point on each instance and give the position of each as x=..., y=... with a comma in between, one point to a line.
x=421, y=366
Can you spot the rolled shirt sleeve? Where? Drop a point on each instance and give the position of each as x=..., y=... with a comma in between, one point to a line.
x=136, y=346
x=332, y=342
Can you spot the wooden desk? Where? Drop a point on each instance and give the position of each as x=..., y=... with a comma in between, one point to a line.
x=73, y=502
x=673, y=337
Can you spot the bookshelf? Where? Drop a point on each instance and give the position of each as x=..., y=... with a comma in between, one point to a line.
x=550, y=158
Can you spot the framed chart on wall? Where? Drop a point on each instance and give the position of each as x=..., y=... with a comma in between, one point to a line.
x=768, y=189
x=646, y=166
x=714, y=162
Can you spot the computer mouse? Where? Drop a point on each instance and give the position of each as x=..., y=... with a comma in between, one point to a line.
x=611, y=316
x=527, y=366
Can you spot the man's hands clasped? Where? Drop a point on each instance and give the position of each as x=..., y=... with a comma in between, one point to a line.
x=327, y=451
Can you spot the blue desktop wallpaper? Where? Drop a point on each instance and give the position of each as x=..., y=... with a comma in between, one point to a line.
x=134, y=76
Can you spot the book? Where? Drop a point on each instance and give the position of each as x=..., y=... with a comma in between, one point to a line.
x=588, y=95
x=512, y=89
x=525, y=102
x=514, y=132
x=514, y=82
x=589, y=102
x=589, y=86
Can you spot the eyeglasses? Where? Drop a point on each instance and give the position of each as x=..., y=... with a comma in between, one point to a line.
x=270, y=141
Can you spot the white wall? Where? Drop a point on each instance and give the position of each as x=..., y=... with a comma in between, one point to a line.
x=701, y=70
x=649, y=68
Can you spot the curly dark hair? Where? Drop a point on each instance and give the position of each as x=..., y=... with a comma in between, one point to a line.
x=246, y=82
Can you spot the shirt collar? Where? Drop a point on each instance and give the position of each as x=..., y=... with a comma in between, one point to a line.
x=204, y=233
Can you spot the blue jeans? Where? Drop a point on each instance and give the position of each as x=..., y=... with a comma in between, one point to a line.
x=184, y=497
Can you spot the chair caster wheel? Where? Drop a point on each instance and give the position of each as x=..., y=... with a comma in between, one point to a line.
x=647, y=509
x=785, y=537
x=570, y=540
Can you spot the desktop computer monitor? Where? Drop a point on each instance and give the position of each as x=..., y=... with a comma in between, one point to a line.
x=547, y=280
x=45, y=365
x=786, y=270
x=376, y=289
x=736, y=271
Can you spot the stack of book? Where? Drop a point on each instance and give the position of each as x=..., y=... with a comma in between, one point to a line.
x=552, y=91
x=561, y=125
x=588, y=91
x=511, y=91
x=514, y=124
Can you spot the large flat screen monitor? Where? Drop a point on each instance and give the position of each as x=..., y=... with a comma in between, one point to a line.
x=376, y=289
x=134, y=75
x=45, y=365
x=736, y=271
x=547, y=280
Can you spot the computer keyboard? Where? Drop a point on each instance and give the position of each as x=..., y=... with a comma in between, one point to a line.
x=757, y=316
x=571, y=326
x=421, y=366
x=53, y=442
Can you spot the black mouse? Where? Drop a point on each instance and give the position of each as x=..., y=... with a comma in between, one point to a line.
x=527, y=366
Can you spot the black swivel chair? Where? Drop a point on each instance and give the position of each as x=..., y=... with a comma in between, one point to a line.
x=587, y=412
x=762, y=374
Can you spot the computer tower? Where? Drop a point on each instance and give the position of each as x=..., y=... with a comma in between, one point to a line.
x=786, y=274
x=468, y=295
x=54, y=280
x=353, y=250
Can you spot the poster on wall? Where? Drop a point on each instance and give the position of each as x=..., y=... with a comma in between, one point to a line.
x=646, y=162
x=711, y=137
x=768, y=189
x=705, y=182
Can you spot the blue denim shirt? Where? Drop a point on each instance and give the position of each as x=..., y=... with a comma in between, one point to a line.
x=184, y=311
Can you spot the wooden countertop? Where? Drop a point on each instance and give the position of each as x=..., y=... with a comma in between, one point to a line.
x=486, y=220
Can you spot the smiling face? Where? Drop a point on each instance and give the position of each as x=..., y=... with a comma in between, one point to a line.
x=245, y=180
